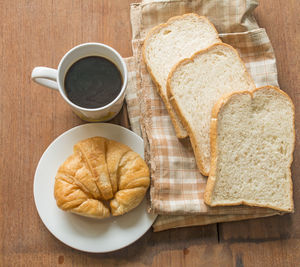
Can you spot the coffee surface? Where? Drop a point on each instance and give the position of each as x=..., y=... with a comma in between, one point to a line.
x=93, y=82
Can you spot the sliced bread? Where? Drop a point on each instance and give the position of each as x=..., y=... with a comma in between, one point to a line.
x=194, y=86
x=168, y=43
x=252, y=142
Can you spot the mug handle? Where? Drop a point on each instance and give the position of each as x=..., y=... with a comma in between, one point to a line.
x=45, y=76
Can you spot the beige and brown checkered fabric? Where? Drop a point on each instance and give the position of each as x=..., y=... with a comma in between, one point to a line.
x=165, y=222
x=177, y=187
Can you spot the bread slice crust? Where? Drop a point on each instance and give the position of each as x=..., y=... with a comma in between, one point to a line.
x=211, y=181
x=180, y=129
x=170, y=94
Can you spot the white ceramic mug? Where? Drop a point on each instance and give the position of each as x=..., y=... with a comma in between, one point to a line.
x=54, y=79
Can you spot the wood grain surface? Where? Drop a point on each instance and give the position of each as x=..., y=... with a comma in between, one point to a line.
x=38, y=33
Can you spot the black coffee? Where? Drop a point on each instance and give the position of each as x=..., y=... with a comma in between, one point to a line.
x=93, y=82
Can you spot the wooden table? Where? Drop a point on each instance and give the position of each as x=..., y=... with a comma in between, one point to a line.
x=36, y=33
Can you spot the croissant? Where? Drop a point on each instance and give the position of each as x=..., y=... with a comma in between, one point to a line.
x=100, y=178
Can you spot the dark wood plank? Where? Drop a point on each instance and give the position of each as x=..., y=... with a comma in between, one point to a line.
x=275, y=241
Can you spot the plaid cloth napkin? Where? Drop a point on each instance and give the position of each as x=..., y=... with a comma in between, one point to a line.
x=164, y=222
x=177, y=186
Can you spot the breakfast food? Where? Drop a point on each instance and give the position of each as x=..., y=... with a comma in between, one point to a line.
x=168, y=43
x=100, y=178
x=252, y=142
x=242, y=137
x=195, y=84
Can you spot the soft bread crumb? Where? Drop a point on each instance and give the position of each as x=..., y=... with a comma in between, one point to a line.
x=253, y=151
x=168, y=43
x=195, y=86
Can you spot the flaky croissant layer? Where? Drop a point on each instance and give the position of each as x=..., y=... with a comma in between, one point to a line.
x=101, y=171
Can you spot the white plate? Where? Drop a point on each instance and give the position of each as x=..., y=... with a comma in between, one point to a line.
x=79, y=232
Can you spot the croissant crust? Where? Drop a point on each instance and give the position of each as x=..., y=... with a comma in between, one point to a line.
x=100, y=178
